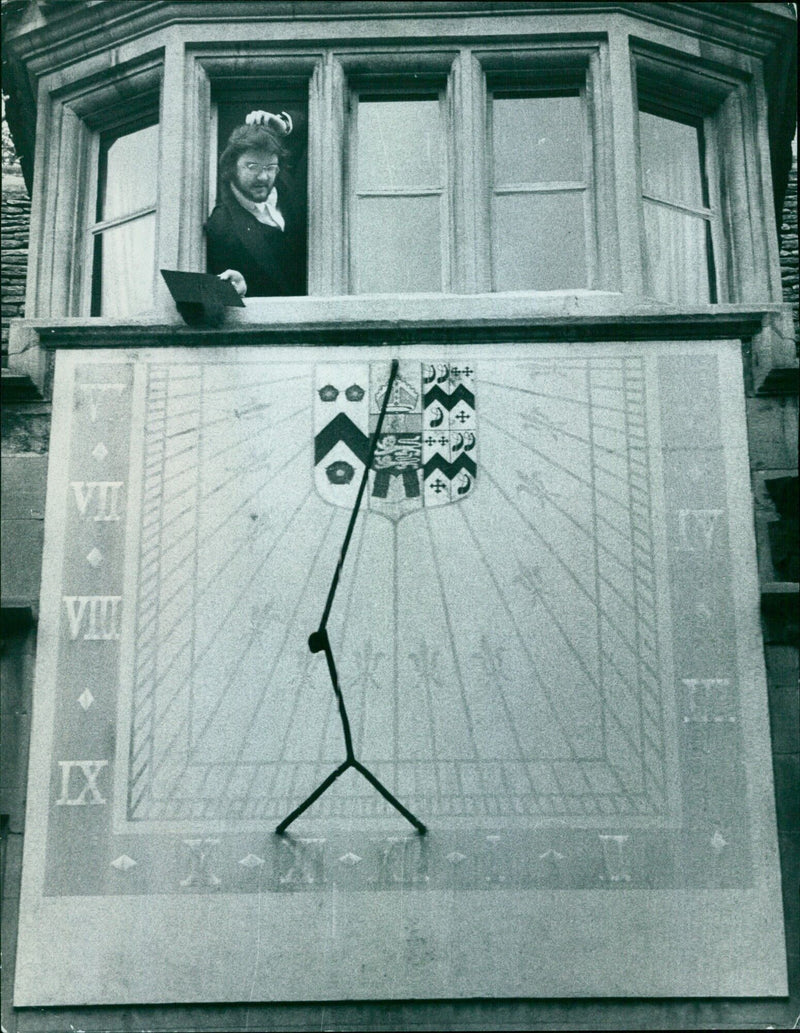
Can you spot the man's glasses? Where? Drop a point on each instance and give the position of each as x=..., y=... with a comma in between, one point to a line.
x=254, y=167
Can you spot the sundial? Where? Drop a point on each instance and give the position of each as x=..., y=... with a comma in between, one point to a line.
x=545, y=631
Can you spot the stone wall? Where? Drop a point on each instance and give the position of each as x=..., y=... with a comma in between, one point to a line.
x=789, y=270
x=14, y=224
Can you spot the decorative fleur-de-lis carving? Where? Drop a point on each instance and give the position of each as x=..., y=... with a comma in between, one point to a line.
x=530, y=577
x=537, y=421
x=530, y=483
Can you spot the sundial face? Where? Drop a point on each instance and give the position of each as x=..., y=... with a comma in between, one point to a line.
x=537, y=636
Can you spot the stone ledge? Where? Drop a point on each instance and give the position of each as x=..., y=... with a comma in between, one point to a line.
x=402, y=319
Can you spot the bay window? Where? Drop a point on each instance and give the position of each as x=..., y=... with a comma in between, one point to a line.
x=426, y=168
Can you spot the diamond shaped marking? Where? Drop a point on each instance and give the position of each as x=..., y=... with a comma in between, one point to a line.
x=86, y=699
x=251, y=861
x=95, y=557
x=350, y=858
x=100, y=451
x=456, y=857
x=123, y=863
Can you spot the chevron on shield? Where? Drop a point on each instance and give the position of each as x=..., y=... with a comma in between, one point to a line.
x=426, y=454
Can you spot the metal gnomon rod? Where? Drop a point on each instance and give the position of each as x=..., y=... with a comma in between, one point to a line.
x=318, y=642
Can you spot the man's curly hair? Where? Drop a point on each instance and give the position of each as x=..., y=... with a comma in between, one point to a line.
x=248, y=138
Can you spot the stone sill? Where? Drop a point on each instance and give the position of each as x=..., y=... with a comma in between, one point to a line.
x=401, y=320
x=554, y=315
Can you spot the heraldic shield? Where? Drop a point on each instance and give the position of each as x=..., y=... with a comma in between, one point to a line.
x=426, y=454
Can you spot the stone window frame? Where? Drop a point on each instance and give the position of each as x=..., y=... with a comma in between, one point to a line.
x=730, y=104
x=584, y=63
x=78, y=117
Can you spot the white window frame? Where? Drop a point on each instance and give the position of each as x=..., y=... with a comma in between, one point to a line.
x=95, y=227
x=583, y=65
x=585, y=187
x=444, y=191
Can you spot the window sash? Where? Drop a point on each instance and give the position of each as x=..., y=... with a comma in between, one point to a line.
x=357, y=230
x=587, y=259
x=134, y=294
x=124, y=246
x=682, y=283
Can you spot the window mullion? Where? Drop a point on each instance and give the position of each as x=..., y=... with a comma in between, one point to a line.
x=590, y=220
x=471, y=255
x=180, y=164
x=90, y=209
x=624, y=104
x=449, y=240
x=351, y=213
x=328, y=257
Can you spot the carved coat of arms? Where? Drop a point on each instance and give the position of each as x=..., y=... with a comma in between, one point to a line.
x=426, y=454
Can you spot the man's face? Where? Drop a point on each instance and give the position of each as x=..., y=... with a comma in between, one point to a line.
x=255, y=174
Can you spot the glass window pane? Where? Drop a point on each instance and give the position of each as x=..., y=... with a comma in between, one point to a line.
x=677, y=253
x=128, y=254
x=537, y=139
x=397, y=244
x=399, y=144
x=539, y=242
x=671, y=160
x=128, y=173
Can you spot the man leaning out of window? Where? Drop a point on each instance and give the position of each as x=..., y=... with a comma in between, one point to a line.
x=254, y=236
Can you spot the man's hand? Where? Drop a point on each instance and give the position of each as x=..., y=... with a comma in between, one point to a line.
x=280, y=123
x=238, y=281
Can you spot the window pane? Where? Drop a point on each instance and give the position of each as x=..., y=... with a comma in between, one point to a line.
x=677, y=252
x=399, y=144
x=397, y=244
x=539, y=241
x=537, y=139
x=126, y=256
x=671, y=160
x=128, y=173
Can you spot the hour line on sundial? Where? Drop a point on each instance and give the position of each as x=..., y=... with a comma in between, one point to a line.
x=318, y=642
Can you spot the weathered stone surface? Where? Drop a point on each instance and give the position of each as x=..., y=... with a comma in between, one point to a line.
x=14, y=228
x=549, y=650
x=22, y=519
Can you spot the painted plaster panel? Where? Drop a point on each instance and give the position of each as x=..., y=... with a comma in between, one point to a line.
x=546, y=635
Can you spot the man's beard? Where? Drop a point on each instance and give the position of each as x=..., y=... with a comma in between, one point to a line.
x=257, y=192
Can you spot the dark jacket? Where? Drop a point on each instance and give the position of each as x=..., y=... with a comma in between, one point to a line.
x=271, y=260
